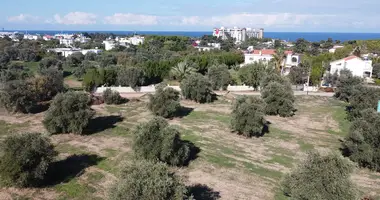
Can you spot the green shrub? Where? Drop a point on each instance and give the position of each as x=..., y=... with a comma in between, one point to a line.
x=112, y=97
x=219, y=77
x=362, y=144
x=279, y=99
x=252, y=74
x=147, y=180
x=345, y=85
x=16, y=96
x=165, y=102
x=248, y=116
x=156, y=140
x=25, y=159
x=321, y=177
x=362, y=97
x=197, y=88
x=69, y=112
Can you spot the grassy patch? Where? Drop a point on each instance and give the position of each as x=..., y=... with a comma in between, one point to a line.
x=75, y=190
x=261, y=171
x=305, y=146
x=282, y=160
x=7, y=128
x=197, y=116
x=94, y=177
x=32, y=66
x=278, y=134
x=70, y=149
x=220, y=160
x=339, y=115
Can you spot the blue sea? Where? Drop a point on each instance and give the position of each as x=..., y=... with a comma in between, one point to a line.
x=289, y=36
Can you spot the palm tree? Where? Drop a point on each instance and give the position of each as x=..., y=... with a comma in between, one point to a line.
x=278, y=59
x=182, y=69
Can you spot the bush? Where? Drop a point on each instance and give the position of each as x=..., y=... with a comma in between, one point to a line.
x=345, y=85
x=25, y=159
x=252, y=74
x=147, y=180
x=321, y=177
x=197, y=88
x=219, y=77
x=165, y=102
x=130, y=76
x=274, y=77
x=279, y=99
x=156, y=140
x=248, y=116
x=16, y=96
x=112, y=97
x=362, y=98
x=362, y=144
x=69, y=112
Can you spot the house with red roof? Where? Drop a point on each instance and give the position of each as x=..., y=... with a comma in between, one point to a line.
x=358, y=66
x=265, y=55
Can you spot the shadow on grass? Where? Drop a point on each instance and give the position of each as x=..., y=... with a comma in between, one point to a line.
x=184, y=111
x=194, y=151
x=203, y=192
x=40, y=107
x=265, y=129
x=66, y=73
x=64, y=170
x=102, y=123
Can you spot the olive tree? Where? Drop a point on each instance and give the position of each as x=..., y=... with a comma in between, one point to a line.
x=252, y=74
x=362, y=143
x=16, y=96
x=165, y=102
x=361, y=98
x=321, y=177
x=197, y=88
x=130, y=76
x=279, y=99
x=345, y=84
x=24, y=159
x=147, y=180
x=112, y=97
x=69, y=112
x=156, y=140
x=248, y=116
x=219, y=77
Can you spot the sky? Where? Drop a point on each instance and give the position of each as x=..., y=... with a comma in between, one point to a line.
x=195, y=15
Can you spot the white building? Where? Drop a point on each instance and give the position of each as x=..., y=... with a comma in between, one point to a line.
x=358, y=66
x=332, y=50
x=266, y=55
x=66, y=42
x=239, y=34
x=109, y=44
x=68, y=51
x=31, y=37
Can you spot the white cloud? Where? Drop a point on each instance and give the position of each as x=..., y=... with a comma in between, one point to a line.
x=24, y=18
x=255, y=20
x=131, y=19
x=75, y=18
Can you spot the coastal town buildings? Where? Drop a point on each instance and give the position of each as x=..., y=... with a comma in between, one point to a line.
x=332, y=50
x=239, y=34
x=134, y=40
x=65, y=52
x=266, y=55
x=358, y=66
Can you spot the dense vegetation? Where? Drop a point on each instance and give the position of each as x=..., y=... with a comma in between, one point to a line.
x=165, y=102
x=112, y=97
x=68, y=113
x=156, y=140
x=321, y=177
x=197, y=88
x=248, y=116
x=25, y=159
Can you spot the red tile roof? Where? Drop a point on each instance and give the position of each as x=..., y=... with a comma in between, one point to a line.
x=350, y=58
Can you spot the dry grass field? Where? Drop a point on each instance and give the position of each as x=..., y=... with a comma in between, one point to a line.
x=227, y=166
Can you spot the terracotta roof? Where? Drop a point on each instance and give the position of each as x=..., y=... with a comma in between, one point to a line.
x=350, y=58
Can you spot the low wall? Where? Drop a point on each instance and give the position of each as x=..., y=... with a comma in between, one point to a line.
x=240, y=88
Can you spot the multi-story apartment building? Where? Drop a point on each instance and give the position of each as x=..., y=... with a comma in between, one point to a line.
x=239, y=34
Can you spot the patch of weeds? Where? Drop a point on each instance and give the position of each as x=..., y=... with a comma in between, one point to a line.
x=279, y=134
x=121, y=131
x=8, y=128
x=75, y=190
x=264, y=172
x=305, y=146
x=279, y=195
x=220, y=160
x=70, y=149
x=94, y=177
x=282, y=160
x=339, y=115
x=110, y=152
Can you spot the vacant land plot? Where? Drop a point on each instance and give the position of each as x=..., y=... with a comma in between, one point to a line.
x=228, y=166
